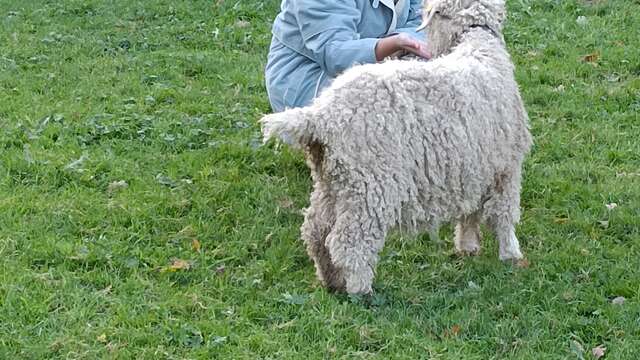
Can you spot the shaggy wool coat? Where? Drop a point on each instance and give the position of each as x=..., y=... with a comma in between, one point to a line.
x=411, y=144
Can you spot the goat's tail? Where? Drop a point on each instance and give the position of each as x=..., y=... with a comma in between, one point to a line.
x=293, y=127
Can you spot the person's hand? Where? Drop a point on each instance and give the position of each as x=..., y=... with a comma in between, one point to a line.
x=409, y=44
x=401, y=43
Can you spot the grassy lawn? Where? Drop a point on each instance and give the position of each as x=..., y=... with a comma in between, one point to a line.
x=140, y=217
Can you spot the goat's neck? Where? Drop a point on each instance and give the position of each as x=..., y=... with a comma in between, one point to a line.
x=484, y=44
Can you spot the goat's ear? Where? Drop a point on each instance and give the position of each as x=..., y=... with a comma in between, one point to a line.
x=427, y=14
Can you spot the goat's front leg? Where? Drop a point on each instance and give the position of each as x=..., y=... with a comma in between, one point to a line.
x=467, y=235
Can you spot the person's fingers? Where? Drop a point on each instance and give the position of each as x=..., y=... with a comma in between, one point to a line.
x=422, y=52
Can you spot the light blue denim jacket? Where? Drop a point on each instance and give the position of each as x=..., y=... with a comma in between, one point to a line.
x=315, y=40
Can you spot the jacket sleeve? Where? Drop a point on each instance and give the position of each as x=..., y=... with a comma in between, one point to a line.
x=329, y=32
x=414, y=20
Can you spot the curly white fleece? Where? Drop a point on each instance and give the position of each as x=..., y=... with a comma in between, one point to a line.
x=414, y=144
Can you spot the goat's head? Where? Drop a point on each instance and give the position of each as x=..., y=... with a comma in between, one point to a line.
x=446, y=20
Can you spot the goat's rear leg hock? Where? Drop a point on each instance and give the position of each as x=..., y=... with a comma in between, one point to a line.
x=318, y=221
x=502, y=212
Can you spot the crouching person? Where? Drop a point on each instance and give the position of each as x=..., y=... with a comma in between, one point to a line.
x=315, y=40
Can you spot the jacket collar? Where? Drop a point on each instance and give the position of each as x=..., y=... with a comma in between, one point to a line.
x=387, y=3
x=392, y=6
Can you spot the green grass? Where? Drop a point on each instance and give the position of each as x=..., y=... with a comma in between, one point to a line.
x=165, y=96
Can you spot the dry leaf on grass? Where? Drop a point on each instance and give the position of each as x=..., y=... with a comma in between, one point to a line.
x=195, y=245
x=453, y=332
x=106, y=290
x=177, y=265
x=598, y=351
x=611, y=206
x=102, y=338
x=591, y=58
x=523, y=263
x=242, y=24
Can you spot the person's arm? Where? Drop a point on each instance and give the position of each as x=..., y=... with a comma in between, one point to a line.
x=400, y=42
x=329, y=31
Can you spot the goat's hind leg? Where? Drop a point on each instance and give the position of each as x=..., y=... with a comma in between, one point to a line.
x=467, y=235
x=319, y=219
x=502, y=212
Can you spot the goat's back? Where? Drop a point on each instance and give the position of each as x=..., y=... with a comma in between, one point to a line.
x=426, y=139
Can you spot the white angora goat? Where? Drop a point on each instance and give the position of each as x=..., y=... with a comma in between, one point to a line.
x=414, y=144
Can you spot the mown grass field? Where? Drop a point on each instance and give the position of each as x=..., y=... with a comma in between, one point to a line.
x=140, y=217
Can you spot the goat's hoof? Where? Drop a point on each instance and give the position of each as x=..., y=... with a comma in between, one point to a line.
x=468, y=251
x=512, y=256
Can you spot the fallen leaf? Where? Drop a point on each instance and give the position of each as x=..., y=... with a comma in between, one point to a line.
x=286, y=324
x=598, y=351
x=453, y=331
x=560, y=220
x=117, y=185
x=195, y=245
x=187, y=231
x=112, y=347
x=220, y=269
x=102, y=338
x=242, y=24
x=523, y=263
x=618, y=300
x=176, y=265
x=106, y=290
x=611, y=206
x=591, y=58
x=604, y=224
